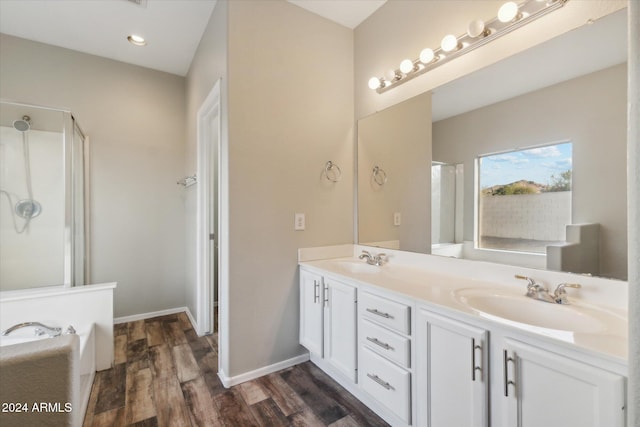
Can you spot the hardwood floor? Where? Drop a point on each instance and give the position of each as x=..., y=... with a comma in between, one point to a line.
x=165, y=375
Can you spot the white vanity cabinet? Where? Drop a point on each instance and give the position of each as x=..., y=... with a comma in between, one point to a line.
x=328, y=321
x=452, y=372
x=311, y=306
x=544, y=388
x=384, y=354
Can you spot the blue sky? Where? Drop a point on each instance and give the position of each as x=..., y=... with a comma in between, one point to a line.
x=533, y=164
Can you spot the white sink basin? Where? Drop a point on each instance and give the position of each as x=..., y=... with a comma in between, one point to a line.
x=357, y=266
x=521, y=309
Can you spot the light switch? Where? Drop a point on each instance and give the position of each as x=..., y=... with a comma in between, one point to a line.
x=397, y=218
x=298, y=221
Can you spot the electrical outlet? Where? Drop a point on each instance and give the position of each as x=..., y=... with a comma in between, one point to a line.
x=397, y=218
x=298, y=223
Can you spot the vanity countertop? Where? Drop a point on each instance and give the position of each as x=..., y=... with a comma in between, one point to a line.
x=590, y=326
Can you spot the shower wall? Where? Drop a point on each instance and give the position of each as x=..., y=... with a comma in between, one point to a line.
x=34, y=257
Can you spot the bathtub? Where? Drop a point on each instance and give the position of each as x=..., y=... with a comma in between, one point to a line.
x=46, y=379
x=89, y=309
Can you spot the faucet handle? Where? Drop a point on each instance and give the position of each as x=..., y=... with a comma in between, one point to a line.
x=531, y=283
x=560, y=294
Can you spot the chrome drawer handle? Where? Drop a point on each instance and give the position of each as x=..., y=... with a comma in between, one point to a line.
x=380, y=343
x=380, y=381
x=379, y=313
x=507, y=382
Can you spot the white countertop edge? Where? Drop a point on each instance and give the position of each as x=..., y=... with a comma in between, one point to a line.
x=22, y=294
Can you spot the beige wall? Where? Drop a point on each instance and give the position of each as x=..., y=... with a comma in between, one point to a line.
x=590, y=111
x=290, y=111
x=402, y=28
x=398, y=140
x=135, y=119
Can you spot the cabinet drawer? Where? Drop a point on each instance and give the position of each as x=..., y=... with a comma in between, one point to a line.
x=386, y=343
x=389, y=313
x=387, y=383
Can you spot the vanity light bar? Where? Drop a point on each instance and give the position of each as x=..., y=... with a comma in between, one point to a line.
x=478, y=34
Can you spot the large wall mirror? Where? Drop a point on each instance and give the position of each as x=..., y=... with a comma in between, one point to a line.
x=561, y=106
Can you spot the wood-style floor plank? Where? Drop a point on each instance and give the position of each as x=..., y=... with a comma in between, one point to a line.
x=252, y=392
x=202, y=408
x=186, y=365
x=174, y=333
x=322, y=404
x=267, y=414
x=161, y=361
x=166, y=375
x=287, y=400
x=155, y=334
x=120, y=349
x=136, y=330
x=233, y=410
x=140, y=405
x=171, y=408
x=113, y=386
x=114, y=417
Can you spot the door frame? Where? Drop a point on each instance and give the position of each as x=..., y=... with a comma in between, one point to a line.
x=208, y=149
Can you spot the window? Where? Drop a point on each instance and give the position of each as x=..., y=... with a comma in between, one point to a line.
x=524, y=198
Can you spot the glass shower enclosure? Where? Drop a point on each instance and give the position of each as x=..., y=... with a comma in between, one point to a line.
x=43, y=195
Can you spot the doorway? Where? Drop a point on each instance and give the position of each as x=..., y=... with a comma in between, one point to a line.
x=208, y=212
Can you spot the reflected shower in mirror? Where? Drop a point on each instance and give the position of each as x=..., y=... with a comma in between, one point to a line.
x=554, y=92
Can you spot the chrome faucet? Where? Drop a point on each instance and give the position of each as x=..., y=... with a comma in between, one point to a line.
x=535, y=290
x=540, y=292
x=40, y=329
x=373, y=259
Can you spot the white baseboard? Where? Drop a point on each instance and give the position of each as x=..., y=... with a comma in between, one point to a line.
x=257, y=373
x=149, y=315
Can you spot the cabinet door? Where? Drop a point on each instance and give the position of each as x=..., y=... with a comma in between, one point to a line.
x=452, y=372
x=311, y=301
x=340, y=327
x=542, y=388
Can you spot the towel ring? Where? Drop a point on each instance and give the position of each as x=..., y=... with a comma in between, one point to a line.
x=379, y=176
x=332, y=171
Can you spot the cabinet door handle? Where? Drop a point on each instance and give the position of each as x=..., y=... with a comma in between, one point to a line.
x=379, y=313
x=474, y=368
x=380, y=343
x=507, y=382
x=316, y=291
x=326, y=295
x=380, y=381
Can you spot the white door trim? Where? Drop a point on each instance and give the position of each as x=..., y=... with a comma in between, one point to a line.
x=208, y=113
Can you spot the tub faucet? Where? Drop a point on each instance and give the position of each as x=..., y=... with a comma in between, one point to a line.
x=40, y=329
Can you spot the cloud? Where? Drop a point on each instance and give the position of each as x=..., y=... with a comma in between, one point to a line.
x=550, y=151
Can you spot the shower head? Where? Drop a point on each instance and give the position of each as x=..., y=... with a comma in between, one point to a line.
x=22, y=125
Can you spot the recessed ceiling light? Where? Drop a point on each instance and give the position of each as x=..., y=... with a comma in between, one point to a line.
x=137, y=40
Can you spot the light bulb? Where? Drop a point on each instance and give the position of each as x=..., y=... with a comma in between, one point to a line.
x=508, y=12
x=406, y=66
x=449, y=43
x=426, y=56
x=136, y=40
x=476, y=28
x=390, y=75
x=374, y=83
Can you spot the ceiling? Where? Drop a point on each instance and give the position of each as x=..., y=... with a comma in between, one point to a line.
x=349, y=13
x=172, y=28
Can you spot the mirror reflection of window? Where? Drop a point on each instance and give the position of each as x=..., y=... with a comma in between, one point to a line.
x=524, y=198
